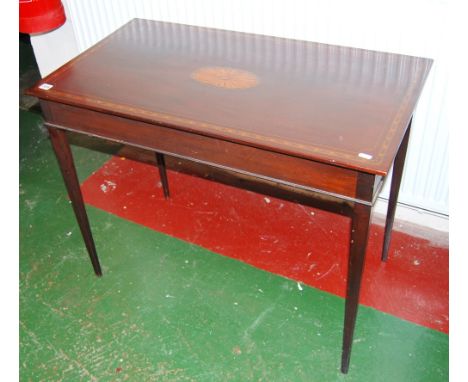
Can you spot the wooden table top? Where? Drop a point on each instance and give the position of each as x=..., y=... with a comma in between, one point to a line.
x=332, y=104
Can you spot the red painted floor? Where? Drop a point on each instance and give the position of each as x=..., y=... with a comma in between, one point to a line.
x=301, y=243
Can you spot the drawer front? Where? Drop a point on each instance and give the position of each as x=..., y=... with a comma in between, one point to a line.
x=213, y=151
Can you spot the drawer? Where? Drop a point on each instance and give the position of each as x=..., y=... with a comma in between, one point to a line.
x=262, y=163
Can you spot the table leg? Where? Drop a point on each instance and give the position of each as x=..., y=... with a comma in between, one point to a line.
x=360, y=220
x=67, y=167
x=398, y=165
x=162, y=173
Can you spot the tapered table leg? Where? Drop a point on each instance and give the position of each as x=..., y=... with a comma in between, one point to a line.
x=398, y=165
x=360, y=221
x=162, y=173
x=67, y=167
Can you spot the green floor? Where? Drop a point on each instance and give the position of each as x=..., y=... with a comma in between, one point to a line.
x=166, y=310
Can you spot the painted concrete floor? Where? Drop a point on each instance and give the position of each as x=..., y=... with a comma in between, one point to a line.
x=299, y=242
x=169, y=309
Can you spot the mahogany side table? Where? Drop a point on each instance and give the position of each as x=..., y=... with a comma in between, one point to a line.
x=314, y=123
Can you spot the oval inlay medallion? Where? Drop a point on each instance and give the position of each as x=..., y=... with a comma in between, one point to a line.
x=225, y=77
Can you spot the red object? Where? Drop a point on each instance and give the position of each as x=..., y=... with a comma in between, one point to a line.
x=39, y=16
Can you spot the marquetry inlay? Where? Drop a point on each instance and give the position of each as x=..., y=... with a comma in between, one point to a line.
x=225, y=77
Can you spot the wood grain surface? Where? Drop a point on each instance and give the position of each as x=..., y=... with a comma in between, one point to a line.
x=332, y=104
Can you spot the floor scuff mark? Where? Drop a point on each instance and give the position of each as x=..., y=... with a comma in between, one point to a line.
x=327, y=272
x=107, y=186
x=257, y=322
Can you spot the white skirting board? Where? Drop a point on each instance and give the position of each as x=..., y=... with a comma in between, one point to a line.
x=415, y=221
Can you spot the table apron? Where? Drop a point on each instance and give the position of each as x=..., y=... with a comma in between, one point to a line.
x=332, y=180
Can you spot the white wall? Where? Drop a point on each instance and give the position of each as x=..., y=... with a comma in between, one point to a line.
x=55, y=48
x=415, y=27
